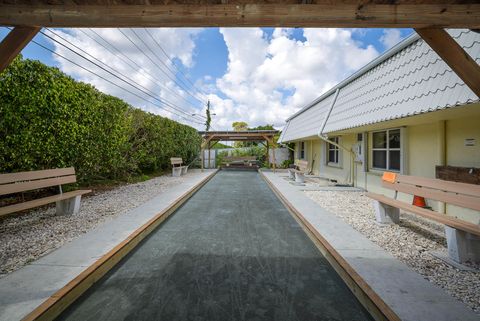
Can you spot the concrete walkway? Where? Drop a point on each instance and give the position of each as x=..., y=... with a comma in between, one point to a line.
x=232, y=252
x=23, y=290
x=410, y=296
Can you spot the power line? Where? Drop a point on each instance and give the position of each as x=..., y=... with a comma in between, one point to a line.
x=155, y=64
x=88, y=70
x=155, y=80
x=159, y=59
x=175, y=66
x=166, y=103
x=202, y=95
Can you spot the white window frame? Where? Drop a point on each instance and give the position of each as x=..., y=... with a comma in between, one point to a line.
x=388, y=149
x=329, y=147
x=302, y=150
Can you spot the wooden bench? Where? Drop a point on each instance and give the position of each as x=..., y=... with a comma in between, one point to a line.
x=178, y=168
x=67, y=203
x=463, y=238
x=240, y=160
x=299, y=170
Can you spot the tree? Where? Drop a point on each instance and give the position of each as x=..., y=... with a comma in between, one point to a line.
x=240, y=126
x=264, y=127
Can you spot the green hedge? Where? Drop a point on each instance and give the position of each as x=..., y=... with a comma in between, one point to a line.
x=49, y=120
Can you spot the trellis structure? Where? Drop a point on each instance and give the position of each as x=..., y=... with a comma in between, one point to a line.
x=266, y=137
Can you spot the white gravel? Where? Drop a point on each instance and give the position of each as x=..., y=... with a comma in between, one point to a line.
x=26, y=237
x=411, y=241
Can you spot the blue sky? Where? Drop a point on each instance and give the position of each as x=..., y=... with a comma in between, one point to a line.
x=250, y=74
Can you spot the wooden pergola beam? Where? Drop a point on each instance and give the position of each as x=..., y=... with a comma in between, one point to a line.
x=245, y=13
x=13, y=44
x=240, y=136
x=454, y=55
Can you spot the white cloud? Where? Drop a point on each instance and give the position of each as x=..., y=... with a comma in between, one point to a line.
x=154, y=75
x=390, y=37
x=269, y=79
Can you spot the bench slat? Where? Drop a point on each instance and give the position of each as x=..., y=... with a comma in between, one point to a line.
x=31, y=185
x=33, y=175
x=439, y=184
x=39, y=202
x=435, y=194
x=301, y=164
x=434, y=216
x=176, y=160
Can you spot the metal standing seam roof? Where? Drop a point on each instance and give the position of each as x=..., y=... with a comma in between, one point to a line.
x=406, y=80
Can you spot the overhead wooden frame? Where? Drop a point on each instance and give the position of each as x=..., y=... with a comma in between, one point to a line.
x=14, y=42
x=454, y=56
x=243, y=13
x=246, y=135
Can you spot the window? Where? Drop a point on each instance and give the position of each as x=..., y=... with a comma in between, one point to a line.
x=386, y=150
x=301, y=150
x=333, y=152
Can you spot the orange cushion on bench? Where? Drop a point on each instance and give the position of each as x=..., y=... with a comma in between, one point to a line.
x=389, y=177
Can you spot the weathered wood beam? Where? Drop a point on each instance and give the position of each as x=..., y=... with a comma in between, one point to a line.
x=13, y=44
x=243, y=13
x=454, y=55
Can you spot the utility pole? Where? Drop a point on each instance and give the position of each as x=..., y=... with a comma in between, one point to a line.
x=209, y=118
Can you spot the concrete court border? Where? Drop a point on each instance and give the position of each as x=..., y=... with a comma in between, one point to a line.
x=385, y=286
x=67, y=294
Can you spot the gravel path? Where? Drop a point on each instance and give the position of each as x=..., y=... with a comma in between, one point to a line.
x=24, y=238
x=411, y=241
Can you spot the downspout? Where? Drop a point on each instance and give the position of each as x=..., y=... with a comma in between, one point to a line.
x=325, y=139
x=282, y=144
x=442, y=154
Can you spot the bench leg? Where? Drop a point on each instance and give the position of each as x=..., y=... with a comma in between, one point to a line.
x=299, y=178
x=462, y=246
x=176, y=171
x=69, y=206
x=291, y=174
x=385, y=214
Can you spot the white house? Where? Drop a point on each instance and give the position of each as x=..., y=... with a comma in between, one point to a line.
x=405, y=112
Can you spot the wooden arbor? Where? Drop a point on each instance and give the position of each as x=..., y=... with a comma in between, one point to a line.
x=266, y=137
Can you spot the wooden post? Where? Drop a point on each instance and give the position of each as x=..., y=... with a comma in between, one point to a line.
x=454, y=55
x=273, y=152
x=209, y=155
x=201, y=156
x=268, y=154
x=202, y=149
x=14, y=42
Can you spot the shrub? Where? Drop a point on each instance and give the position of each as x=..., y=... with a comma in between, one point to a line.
x=49, y=120
x=286, y=163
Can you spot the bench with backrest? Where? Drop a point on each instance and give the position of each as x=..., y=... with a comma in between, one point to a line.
x=463, y=238
x=67, y=203
x=178, y=168
x=240, y=160
x=299, y=170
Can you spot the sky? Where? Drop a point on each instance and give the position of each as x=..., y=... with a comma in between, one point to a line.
x=256, y=75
